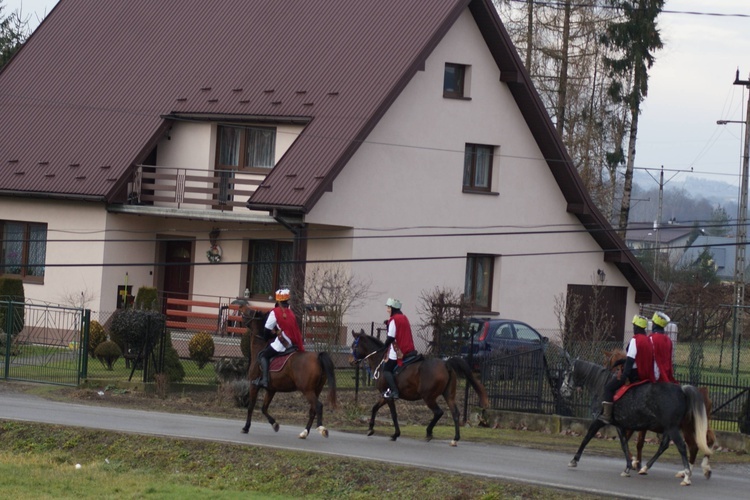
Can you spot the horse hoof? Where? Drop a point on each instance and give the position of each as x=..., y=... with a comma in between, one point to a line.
x=573, y=463
x=370, y=432
x=323, y=431
x=428, y=438
x=680, y=474
x=275, y=427
x=643, y=471
x=394, y=437
x=454, y=443
x=624, y=474
x=686, y=482
x=707, y=474
x=303, y=434
x=245, y=430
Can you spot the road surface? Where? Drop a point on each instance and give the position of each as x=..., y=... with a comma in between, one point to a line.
x=594, y=474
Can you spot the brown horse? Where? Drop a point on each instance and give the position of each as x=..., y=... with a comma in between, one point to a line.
x=425, y=379
x=686, y=426
x=306, y=372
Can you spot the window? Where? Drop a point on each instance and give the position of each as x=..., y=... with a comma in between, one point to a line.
x=24, y=250
x=270, y=267
x=478, y=285
x=454, y=81
x=243, y=148
x=478, y=167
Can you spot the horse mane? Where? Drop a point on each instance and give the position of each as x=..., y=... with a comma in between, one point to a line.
x=374, y=340
x=593, y=376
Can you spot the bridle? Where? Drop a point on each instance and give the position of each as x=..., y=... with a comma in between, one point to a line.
x=358, y=360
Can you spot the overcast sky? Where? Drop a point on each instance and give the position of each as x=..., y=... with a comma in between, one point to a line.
x=690, y=87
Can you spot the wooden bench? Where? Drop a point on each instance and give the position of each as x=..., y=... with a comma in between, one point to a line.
x=224, y=319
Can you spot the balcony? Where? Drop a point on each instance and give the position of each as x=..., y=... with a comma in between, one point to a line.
x=184, y=188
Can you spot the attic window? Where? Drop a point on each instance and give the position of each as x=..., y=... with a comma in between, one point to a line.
x=456, y=81
x=246, y=148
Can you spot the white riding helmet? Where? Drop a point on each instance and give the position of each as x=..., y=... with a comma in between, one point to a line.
x=394, y=303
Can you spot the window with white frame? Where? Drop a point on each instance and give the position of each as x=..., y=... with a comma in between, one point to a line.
x=24, y=250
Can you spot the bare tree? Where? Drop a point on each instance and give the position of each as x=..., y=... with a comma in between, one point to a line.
x=445, y=314
x=77, y=299
x=331, y=292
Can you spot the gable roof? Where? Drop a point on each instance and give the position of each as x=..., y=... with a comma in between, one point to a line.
x=97, y=84
x=667, y=234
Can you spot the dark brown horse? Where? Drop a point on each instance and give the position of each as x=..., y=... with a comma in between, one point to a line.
x=686, y=426
x=306, y=372
x=427, y=380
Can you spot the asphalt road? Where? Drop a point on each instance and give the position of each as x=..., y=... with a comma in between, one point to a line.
x=594, y=474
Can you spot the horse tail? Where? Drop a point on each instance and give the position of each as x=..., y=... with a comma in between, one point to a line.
x=330, y=370
x=461, y=367
x=697, y=409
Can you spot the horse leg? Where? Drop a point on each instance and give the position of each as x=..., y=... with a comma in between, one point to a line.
x=456, y=415
x=394, y=417
x=264, y=409
x=316, y=408
x=692, y=446
x=622, y=434
x=593, y=428
x=663, y=445
x=437, y=412
x=639, y=449
x=253, y=398
x=374, y=412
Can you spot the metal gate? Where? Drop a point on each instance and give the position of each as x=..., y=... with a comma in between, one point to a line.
x=43, y=343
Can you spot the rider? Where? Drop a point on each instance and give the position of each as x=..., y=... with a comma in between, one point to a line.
x=283, y=323
x=663, y=367
x=399, y=344
x=639, y=365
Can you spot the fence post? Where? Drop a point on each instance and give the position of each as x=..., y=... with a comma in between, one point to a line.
x=83, y=350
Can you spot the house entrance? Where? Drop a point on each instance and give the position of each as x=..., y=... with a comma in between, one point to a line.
x=177, y=270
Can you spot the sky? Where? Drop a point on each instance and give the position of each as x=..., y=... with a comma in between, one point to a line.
x=690, y=88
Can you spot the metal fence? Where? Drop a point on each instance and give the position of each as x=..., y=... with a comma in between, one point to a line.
x=51, y=347
x=43, y=343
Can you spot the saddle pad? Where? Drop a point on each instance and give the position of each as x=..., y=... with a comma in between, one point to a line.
x=278, y=362
x=622, y=390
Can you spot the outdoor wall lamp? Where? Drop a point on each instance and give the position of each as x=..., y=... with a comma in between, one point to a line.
x=602, y=275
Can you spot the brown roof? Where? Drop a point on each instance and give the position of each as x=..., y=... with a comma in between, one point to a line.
x=96, y=84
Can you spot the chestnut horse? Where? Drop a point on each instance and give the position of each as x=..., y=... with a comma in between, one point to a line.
x=306, y=372
x=686, y=426
x=425, y=379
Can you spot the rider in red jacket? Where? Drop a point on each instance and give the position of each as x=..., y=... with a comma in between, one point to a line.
x=662, y=349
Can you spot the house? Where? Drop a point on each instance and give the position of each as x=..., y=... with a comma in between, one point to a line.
x=723, y=251
x=669, y=240
x=213, y=148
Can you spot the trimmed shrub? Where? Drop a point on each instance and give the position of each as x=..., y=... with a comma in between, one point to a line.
x=97, y=335
x=172, y=365
x=201, y=348
x=11, y=289
x=108, y=353
x=130, y=327
x=230, y=369
x=147, y=298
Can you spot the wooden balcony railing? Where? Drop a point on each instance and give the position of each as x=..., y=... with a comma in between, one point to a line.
x=192, y=188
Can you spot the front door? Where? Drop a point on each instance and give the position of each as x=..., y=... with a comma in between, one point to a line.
x=177, y=271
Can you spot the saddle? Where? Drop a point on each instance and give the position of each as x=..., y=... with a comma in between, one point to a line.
x=622, y=390
x=408, y=359
x=277, y=362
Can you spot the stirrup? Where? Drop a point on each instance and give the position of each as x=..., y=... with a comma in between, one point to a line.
x=388, y=394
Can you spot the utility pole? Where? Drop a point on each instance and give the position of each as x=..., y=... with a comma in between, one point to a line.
x=657, y=224
x=739, y=262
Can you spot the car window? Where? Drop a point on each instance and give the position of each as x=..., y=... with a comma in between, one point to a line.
x=505, y=332
x=524, y=332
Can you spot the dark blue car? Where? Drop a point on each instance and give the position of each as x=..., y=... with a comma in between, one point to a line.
x=500, y=338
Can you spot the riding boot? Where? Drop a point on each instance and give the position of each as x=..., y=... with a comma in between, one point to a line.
x=392, y=392
x=262, y=381
x=606, y=414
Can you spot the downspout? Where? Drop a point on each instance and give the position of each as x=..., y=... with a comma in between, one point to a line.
x=299, y=254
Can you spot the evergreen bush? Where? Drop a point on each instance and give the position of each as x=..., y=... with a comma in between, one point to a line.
x=130, y=327
x=147, y=298
x=108, y=353
x=11, y=290
x=201, y=348
x=97, y=335
x=172, y=365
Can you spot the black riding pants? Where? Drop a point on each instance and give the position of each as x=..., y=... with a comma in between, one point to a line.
x=608, y=394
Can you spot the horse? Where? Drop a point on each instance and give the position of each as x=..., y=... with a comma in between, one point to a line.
x=655, y=407
x=425, y=379
x=686, y=426
x=306, y=372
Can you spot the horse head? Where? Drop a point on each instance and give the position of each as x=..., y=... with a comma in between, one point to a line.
x=568, y=378
x=358, y=349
